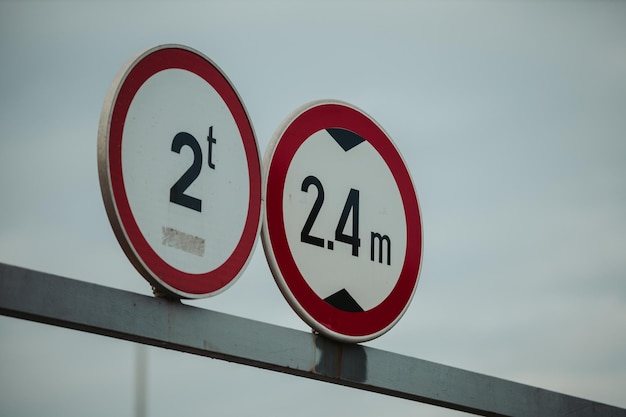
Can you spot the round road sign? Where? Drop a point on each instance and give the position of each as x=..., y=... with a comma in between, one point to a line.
x=180, y=172
x=342, y=228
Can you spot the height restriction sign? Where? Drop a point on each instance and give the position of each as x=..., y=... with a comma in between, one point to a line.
x=180, y=171
x=342, y=229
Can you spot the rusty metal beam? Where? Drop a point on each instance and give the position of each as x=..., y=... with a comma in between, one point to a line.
x=64, y=302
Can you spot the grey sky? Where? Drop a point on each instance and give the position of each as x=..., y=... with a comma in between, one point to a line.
x=510, y=117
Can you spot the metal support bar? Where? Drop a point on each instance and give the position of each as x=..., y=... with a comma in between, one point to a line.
x=96, y=309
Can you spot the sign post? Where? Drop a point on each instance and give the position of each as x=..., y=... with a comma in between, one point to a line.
x=342, y=228
x=180, y=172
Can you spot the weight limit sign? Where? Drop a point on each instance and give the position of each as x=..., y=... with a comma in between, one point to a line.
x=342, y=229
x=180, y=172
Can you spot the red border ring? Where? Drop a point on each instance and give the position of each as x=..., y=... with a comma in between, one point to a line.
x=321, y=316
x=110, y=135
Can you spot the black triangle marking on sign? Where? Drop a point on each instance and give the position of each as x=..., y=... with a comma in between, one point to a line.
x=346, y=139
x=344, y=301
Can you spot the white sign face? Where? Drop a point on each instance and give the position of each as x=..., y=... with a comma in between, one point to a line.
x=360, y=198
x=180, y=172
x=342, y=228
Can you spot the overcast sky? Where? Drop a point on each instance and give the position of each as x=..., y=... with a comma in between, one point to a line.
x=509, y=115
